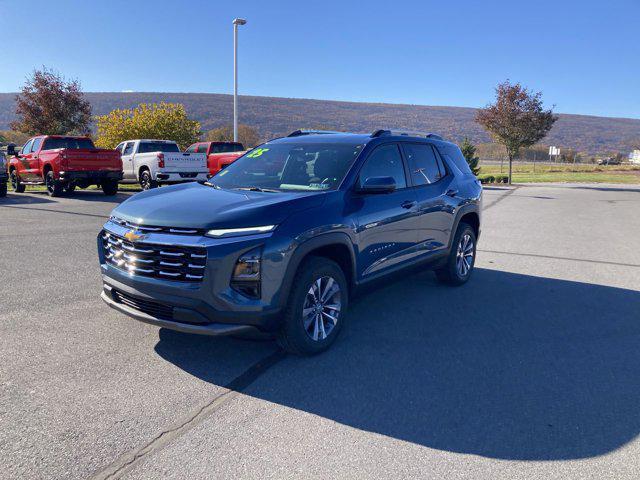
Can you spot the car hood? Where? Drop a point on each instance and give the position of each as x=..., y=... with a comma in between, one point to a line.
x=199, y=206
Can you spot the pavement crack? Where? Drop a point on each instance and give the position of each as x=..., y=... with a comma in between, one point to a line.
x=500, y=198
x=126, y=461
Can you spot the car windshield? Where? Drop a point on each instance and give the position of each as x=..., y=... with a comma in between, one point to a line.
x=290, y=166
x=69, y=143
x=147, y=147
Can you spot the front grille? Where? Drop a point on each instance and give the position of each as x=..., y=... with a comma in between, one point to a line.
x=186, y=264
x=154, y=309
x=154, y=229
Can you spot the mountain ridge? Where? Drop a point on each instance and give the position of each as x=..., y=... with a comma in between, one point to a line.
x=274, y=116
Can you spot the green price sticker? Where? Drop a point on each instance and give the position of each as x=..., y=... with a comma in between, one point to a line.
x=257, y=152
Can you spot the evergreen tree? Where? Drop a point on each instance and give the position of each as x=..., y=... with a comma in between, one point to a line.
x=469, y=152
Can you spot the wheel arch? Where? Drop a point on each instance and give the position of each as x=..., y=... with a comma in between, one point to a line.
x=334, y=246
x=469, y=214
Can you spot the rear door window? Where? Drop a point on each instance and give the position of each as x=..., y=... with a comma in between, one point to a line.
x=423, y=164
x=385, y=161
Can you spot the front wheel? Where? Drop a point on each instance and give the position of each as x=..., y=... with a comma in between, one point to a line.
x=462, y=257
x=317, y=307
x=69, y=188
x=16, y=185
x=110, y=187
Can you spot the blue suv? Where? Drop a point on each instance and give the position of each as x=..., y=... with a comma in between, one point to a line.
x=280, y=240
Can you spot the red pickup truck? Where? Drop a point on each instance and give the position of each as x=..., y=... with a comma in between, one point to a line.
x=62, y=163
x=219, y=154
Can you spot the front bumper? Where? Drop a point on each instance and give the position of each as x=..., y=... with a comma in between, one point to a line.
x=177, y=177
x=201, y=328
x=91, y=175
x=208, y=306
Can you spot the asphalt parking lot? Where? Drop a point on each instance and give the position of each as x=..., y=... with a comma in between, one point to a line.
x=531, y=370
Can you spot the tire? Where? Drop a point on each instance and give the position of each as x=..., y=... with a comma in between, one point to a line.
x=16, y=185
x=110, y=187
x=310, y=337
x=54, y=187
x=146, y=180
x=459, y=266
x=69, y=188
x=3, y=189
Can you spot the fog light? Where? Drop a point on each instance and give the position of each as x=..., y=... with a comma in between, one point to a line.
x=246, y=273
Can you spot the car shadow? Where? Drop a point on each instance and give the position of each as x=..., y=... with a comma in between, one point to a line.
x=78, y=194
x=21, y=199
x=508, y=366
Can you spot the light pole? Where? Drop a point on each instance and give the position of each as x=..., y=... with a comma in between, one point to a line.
x=236, y=22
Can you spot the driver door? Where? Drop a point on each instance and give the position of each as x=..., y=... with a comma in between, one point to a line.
x=387, y=223
x=127, y=160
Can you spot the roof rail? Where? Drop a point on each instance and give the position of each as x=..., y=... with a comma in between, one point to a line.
x=298, y=133
x=402, y=133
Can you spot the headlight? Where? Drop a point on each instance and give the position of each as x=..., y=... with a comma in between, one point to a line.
x=236, y=232
x=247, y=272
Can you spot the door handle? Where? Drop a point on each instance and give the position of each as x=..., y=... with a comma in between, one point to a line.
x=451, y=192
x=409, y=204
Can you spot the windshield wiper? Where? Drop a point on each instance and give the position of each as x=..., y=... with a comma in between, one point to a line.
x=209, y=184
x=258, y=189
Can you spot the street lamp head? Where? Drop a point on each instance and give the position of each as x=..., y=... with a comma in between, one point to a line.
x=239, y=21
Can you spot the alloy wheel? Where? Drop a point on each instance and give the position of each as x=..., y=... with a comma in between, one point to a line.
x=464, y=255
x=321, y=309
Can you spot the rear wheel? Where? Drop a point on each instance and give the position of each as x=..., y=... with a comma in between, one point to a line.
x=54, y=187
x=146, y=181
x=110, y=187
x=461, y=261
x=16, y=185
x=69, y=188
x=316, y=309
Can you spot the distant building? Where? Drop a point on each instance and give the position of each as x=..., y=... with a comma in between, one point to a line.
x=634, y=156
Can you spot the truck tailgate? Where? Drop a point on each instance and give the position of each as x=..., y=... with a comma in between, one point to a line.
x=91, y=160
x=185, y=162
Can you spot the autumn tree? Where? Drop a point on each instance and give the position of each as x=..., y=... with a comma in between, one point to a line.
x=247, y=135
x=11, y=136
x=517, y=119
x=163, y=121
x=469, y=151
x=50, y=105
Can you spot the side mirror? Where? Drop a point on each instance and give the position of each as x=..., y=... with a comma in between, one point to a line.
x=378, y=185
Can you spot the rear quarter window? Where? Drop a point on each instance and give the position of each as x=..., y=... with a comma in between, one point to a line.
x=454, y=155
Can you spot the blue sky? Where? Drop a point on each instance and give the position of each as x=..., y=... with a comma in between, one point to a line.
x=583, y=55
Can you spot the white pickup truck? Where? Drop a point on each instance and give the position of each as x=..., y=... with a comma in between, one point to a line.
x=154, y=162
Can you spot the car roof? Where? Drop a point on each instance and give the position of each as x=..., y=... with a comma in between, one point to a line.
x=314, y=138
x=355, y=139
